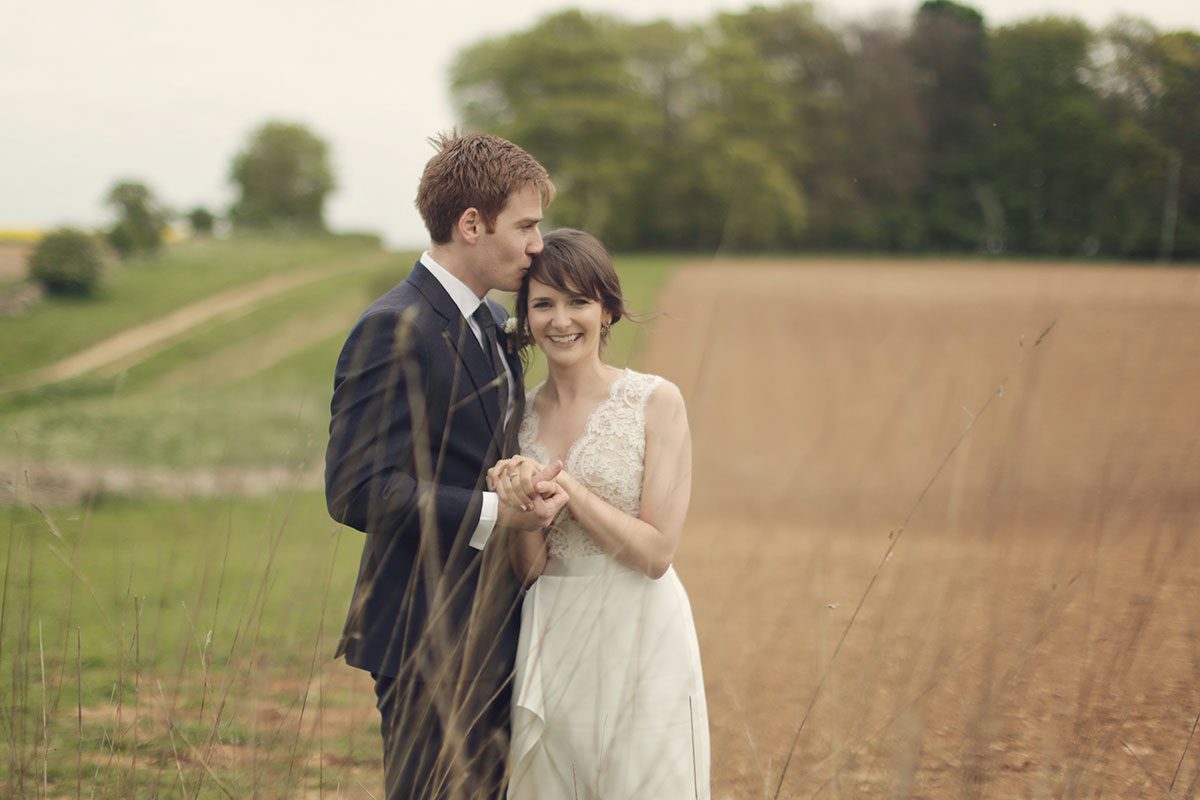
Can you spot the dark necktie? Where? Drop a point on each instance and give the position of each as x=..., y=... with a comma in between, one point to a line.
x=487, y=326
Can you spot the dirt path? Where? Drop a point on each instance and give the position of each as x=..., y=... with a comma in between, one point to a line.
x=1030, y=626
x=137, y=343
x=246, y=358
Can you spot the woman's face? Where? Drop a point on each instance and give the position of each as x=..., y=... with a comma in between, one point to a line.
x=565, y=325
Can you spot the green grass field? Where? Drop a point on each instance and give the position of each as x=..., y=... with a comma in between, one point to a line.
x=164, y=648
x=167, y=630
x=145, y=288
x=249, y=391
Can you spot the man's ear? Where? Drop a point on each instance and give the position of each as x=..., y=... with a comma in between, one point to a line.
x=469, y=225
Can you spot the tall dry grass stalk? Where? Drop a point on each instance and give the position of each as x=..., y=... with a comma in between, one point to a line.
x=893, y=540
x=120, y=762
x=1011, y=656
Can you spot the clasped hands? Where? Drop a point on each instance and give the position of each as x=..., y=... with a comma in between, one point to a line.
x=530, y=497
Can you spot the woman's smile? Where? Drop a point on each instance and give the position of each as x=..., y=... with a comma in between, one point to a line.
x=565, y=323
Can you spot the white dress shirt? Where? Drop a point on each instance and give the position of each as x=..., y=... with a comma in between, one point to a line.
x=467, y=303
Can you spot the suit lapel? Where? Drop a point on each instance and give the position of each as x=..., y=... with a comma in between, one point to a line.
x=461, y=341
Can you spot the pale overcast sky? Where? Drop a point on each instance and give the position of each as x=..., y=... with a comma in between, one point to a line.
x=166, y=92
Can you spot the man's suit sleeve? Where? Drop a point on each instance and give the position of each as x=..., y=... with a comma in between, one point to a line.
x=375, y=480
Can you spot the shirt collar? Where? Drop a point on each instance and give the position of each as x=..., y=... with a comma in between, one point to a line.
x=459, y=292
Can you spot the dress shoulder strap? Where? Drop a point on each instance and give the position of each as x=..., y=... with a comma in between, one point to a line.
x=635, y=388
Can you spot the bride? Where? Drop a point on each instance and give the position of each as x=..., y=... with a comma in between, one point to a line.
x=608, y=697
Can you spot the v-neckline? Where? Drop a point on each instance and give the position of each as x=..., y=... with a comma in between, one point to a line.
x=587, y=425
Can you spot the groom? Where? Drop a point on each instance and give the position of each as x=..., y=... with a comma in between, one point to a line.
x=427, y=398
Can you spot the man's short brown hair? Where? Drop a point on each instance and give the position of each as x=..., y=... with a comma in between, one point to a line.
x=474, y=170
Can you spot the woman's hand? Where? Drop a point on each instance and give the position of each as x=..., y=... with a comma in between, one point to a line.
x=542, y=509
x=516, y=481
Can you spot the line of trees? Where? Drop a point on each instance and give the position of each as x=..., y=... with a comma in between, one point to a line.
x=283, y=177
x=772, y=129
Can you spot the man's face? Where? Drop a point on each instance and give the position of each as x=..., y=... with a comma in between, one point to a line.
x=505, y=254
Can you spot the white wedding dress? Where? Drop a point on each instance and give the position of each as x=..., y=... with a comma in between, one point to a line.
x=608, y=695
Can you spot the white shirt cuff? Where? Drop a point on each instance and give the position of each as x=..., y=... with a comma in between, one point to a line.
x=487, y=520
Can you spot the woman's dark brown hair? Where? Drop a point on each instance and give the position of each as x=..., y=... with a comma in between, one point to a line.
x=573, y=262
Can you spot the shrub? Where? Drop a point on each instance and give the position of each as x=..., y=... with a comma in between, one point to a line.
x=201, y=221
x=67, y=262
x=141, y=219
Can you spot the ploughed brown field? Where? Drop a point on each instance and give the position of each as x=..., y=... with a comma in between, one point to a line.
x=944, y=539
x=945, y=529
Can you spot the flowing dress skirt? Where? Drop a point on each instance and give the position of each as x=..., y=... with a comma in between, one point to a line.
x=608, y=694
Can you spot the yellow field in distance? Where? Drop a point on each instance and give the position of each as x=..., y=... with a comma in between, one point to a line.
x=20, y=235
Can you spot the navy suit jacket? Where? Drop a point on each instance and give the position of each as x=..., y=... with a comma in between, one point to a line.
x=417, y=419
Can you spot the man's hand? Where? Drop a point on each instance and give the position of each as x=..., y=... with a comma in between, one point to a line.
x=543, y=506
x=516, y=480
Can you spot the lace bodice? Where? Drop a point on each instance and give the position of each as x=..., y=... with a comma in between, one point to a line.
x=608, y=458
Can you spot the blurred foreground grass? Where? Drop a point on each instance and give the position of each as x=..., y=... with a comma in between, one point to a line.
x=181, y=647
x=182, y=639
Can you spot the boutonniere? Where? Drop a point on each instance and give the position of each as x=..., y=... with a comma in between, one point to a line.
x=509, y=329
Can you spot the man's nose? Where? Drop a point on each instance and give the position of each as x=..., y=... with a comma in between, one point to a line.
x=535, y=246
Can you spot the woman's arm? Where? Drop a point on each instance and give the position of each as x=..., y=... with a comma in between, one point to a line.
x=646, y=543
x=527, y=546
x=527, y=553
